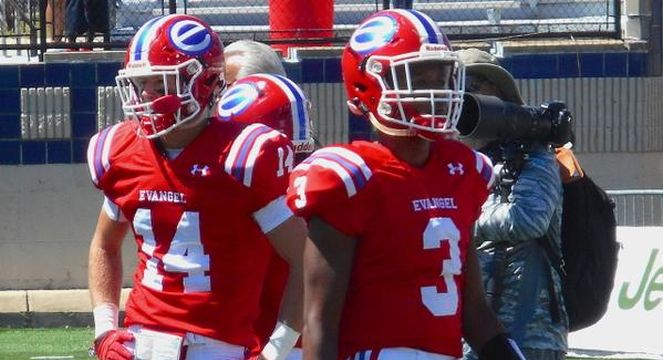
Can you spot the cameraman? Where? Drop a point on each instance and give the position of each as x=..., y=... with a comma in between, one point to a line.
x=525, y=209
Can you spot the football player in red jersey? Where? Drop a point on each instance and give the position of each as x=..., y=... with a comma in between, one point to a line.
x=200, y=195
x=389, y=272
x=278, y=102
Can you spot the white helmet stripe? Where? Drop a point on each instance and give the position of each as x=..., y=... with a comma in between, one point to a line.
x=426, y=27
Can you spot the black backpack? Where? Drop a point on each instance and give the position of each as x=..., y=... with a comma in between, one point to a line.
x=589, y=253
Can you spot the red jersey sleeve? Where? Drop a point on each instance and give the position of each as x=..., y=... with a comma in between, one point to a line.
x=331, y=184
x=261, y=159
x=484, y=168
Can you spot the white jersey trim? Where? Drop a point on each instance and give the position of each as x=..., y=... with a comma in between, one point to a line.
x=112, y=210
x=98, y=154
x=273, y=214
x=485, y=168
x=350, y=167
x=245, y=150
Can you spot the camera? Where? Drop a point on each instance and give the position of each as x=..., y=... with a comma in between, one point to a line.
x=489, y=118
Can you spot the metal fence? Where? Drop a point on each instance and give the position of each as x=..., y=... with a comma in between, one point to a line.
x=638, y=207
x=39, y=24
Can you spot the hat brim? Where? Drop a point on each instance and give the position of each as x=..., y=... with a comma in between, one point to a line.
x=498, y=76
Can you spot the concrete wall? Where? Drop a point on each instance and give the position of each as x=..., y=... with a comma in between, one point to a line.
x=48, y=215
x=47, y=219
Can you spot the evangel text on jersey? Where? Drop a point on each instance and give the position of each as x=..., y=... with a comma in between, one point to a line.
x=161, y=196
x=434, y=203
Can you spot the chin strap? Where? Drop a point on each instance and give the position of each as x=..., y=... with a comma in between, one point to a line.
x=389, y=131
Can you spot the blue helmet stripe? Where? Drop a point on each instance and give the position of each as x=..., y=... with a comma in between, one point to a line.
x=432, y=34
x=144, y=30
x=300, y=103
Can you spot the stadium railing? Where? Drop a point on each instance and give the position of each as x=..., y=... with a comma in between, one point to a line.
x=23, y=22
x=638, y=207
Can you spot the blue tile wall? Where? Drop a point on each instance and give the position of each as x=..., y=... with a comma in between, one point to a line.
x=313, y=70
x=616, y=65
x=637, y=64
x=83, y=100
x=591, y=65
x=567, y=65
x=32, y=75
x=11, y=101
x=9, y=76
x=10, y=152
x=83, y=125
x=333, y=70
x=293, y=71
x=34, y=152
x=10, y=126
x=58, y=152
x=84, y=77
x=106, y=72
x=57, y=74
x=79, y=150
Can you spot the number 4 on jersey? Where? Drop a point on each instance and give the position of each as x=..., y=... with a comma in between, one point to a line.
x=185, y=254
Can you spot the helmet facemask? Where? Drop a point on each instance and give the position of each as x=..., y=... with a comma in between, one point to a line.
x=421, y=92
x=145, y=89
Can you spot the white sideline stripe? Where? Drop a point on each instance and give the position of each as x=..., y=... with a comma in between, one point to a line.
x=53, y=357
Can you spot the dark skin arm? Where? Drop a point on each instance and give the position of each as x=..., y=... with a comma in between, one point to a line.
x=328, y=257
x=480, y=323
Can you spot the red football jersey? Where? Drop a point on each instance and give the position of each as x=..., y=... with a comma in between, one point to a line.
x=199, y=222
x=412, y=227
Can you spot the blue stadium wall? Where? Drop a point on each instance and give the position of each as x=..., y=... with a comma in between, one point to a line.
x=83, y=78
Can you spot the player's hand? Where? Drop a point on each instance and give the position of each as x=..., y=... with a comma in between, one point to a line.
x=110, y=346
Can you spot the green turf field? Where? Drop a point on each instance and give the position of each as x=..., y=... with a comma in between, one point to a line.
x=49, y=344
x=44, y=344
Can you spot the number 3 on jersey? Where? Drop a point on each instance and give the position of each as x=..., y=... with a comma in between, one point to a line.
x=185, y=255
x=438, y=231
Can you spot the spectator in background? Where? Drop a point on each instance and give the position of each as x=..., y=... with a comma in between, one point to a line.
x=86, y=17
x=55, y=11
x=508, y=232
x=399, y=4
x=247, y=57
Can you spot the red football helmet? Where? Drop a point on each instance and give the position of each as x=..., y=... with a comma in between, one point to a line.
x=173, y=69
x=275, y=101
x=400, y=71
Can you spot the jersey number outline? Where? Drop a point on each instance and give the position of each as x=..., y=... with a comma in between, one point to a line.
x=286, y=161
x=439, y=230
x=186, y=253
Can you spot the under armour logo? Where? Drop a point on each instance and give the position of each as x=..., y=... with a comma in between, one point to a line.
x=200, y=170
x=455, y=169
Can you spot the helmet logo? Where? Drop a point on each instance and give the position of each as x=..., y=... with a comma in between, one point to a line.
x=236, y=100
x=373, y=34
x=190, y=37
